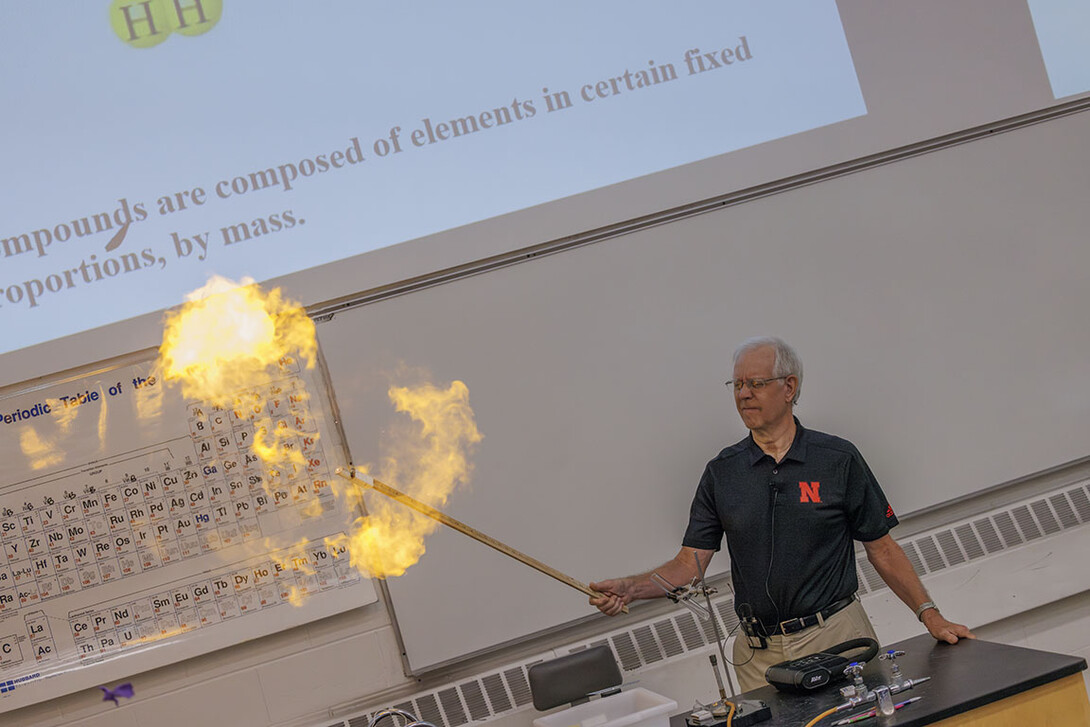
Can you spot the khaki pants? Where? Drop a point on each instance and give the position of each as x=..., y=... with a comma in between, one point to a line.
x=849, y=623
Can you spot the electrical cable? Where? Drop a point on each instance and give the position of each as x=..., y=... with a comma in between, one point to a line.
x=821, y=716
x=772, y=551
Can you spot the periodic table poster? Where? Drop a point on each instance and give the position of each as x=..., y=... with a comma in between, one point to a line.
x=139, y=528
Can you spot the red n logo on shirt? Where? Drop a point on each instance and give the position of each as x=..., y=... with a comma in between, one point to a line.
x=808, y=492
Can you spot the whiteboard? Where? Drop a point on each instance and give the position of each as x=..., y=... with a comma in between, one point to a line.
x=938, y=304
x=139, y=528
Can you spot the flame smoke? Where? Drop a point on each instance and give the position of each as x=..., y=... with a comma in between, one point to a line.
x=432, y=459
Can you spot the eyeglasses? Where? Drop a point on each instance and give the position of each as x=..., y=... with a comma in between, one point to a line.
x=754, y=384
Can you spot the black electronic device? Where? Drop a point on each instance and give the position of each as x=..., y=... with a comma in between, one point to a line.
x=816, y=670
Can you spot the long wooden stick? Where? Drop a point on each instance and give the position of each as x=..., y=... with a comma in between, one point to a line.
x=461, y=527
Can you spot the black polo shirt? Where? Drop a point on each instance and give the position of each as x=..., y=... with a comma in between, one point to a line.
x=790, y=525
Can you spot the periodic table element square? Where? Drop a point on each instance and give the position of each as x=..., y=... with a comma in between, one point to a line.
x=250, y=529
x=141, y=609
x=43, y=566
x=97, y=525
x=48, y=587
x=29, y=522
x=201, y=591
x=91, y=504
x=109, y=569
x=100, y=621
x=77, y=532
x=169, y=552
x=103, y=549
x=177, y=505
x=220, y=420
x=196, y=412
x=130, y=564
x=7, y=580
x=228, y=608
x=170, y=482
x=188, y=619
x=9, y=599
x=22, y=573
x=129, y=635
x=242, y=580
x=44, y=651
x=124, y=543
x=217, y=493
x=268, y=595
x=132, y=493
x=222, y=586
x=64, y=560
x=183, y=598
x=79, y=625
x=162, y=603
x=210, y=540
x=231, y=465
x=123, y=614
x=190, y=546
x=208, y=613
x=303, y=421
x=36, y=545
x=28, y=593
x=197, y=497
x=49, y=516
x=157, y=509
x=237, y=487
x=263, y=503
x=205, y=448
x=168, y=625
x=152, y=487
x=143, y=535
x=139, y=515
x=230, y=534
x=248, y=601
x=15, y=550
x=148, y=630
x=69, y=581
x=117, y=521
x=70, y=510
x=223, y=512
x=88, y=575
x=111, y=499
x=9, y=528
x=288, y=365
x=243, y=509
x=263, y=574
x=243, y=437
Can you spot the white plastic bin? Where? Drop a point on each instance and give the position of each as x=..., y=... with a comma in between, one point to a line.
x=635, y=708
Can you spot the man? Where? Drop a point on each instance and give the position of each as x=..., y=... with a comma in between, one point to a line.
x=790, y=502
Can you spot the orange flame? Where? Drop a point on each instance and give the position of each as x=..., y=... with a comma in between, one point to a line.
x=433, y=459
x=227, y=333
x=228, y=336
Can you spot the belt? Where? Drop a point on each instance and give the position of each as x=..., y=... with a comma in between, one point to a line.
x=792, y=625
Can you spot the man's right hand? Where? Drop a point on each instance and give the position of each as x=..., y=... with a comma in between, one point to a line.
x=616, y=594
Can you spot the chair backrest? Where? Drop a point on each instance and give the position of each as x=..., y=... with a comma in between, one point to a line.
x=573, y=677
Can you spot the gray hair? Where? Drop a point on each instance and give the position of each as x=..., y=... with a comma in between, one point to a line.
x=787, y=361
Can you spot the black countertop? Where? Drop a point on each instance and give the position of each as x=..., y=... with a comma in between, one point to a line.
x=964, y=676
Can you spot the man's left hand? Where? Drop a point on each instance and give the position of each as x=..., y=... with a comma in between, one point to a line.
x=944, y=630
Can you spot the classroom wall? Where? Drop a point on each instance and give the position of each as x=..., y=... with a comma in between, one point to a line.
x=323, y=672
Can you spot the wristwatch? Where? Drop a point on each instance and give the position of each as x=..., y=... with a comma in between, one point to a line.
x=923, y=607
